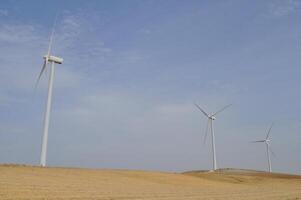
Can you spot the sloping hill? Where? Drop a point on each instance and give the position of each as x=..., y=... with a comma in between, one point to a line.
x=25, y=182
x=242, y=176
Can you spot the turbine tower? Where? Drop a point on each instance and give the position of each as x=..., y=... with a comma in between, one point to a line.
x=268, y=147
x=211, y=118
x=48, y=60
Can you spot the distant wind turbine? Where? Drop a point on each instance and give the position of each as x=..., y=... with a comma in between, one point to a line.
x=268, y=147
x=48, y=59
x=211, y=117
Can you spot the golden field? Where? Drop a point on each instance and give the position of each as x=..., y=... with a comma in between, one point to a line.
x=25, y=182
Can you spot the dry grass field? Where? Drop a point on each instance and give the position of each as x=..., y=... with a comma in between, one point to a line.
x=24, y=182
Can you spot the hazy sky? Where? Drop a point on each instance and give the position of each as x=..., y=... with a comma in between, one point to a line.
x=123, y=98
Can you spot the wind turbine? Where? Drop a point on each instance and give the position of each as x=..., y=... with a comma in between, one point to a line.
x=48, y=60
x=211, y=118
x=268, y=146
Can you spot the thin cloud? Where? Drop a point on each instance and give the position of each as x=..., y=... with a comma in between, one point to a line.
x=282, y=8
x=15, y=33
x=3, y=12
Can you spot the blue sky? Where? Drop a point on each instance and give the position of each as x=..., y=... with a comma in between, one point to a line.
x=123, y=98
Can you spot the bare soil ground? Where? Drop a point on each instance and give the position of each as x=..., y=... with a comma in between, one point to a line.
x=25, y=182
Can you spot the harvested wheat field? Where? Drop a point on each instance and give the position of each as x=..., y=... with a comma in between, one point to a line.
x=25, y=182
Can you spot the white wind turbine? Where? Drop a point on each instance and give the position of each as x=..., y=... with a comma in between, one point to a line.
x=211, y=118
x=48, y=59
x=268, y=147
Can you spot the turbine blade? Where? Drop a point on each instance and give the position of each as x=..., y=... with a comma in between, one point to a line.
x=206, y=132
x=273, y=153
x=222, y=109
x=46, y=71
x=201, y=110
x=51, y=36
x=269, y=131
x=258, y=141
x=42, y=70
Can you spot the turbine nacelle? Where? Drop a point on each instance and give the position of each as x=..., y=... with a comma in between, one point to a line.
x=53, y=59
x=212, y=117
